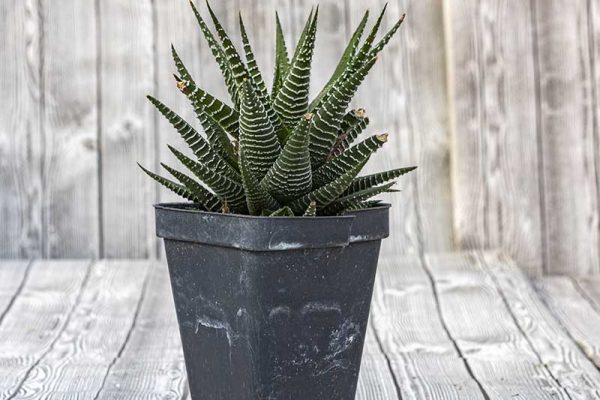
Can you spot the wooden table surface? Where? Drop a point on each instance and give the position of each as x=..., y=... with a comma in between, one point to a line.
x=452, y=326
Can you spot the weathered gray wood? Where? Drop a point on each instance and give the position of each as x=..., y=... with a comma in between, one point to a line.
x=572, y=307
x=422, y=356
x=70, y=123
x=493, y=95
x=405, y=96
x=21, y=132
x=496, y=350
x=555, y=348
x=151, y=365
x=568, y=134
x=12, y=278
x=95, y=335
x=127, y=134
x=375, y=381
x=37, y=318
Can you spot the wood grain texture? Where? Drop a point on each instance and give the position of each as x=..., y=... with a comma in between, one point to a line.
x=375, y=381
x=422, y=356
x=405, y=94
x=70, y=121
x=21, y=131
x=496, y=350
x=12, y=279
x=127, y=133
x=37, y=319
x=95, y=335
x=151, y=365
x=572, y=307
x=568, y=135
x=555, y=348
x=495, y=166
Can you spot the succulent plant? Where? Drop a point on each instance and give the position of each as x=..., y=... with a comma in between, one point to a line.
x=275, y=153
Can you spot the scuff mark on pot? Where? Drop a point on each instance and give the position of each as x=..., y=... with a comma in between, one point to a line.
x=318, y=307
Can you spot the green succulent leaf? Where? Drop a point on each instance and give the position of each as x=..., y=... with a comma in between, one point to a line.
x=386, y=38
x=204, y=103
x=346, y=202
x=324, y=195
x=257, y=197
x=311, y=210
x=257, y=136
x=236, y=66
x=201, y=148
x=327, y=121
x=226, y=189
x=282, y=61
x=292, y=99
x=202, y=196
x=220, y=57
x=260, y=86
x=345, y=60
x=352, y=125
x=282, y=212
x=290, y=176
x=368, y=181
x=176, y=188
x=337, y=166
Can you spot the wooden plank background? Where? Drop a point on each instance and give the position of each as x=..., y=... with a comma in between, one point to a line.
x=496, y=101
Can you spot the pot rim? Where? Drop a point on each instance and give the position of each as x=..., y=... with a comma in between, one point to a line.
x=176, y=221
x=179, y=206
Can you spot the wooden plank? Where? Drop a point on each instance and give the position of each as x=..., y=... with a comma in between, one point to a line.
x=12, y=278
x=494, y=169
x=405, y=95
x=151, y=365
x=127, y=132
x=568, y=143
x=70, y=127
x=37, y=318
x=21, y=132
x=422, y=356
x=576, y=313
x=555, y=348
x=496, y=350
x=95, y=335
x=375, y=381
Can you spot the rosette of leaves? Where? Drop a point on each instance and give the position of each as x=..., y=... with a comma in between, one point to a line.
x=274, y=152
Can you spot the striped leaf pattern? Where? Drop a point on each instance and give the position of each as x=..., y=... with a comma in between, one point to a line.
x=257, y=197
x=275, y=154
x=324, y=195
x=349, y=200
x=202, y=102
x=257, y=136
x=176, y=188
x=220, y=57
x=352, y=125
x=290, y=176
x=259, y=83
x=201, y=148
x=324, y=132
x=311, y=210
x=347, y=56
x=202, y=196
x=291, y=102
x=342, y=163
x=282, y=61
x=368, y=181
x=226, y=189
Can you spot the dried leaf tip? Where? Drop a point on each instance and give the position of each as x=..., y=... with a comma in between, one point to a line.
x=225, y=207
x=383, y=137
x=360, y=112
x=308, y=116
x=181, y=86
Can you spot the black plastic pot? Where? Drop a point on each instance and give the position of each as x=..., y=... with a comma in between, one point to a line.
x=272, y=307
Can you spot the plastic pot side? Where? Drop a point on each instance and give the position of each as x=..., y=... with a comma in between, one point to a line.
x=272, y=307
